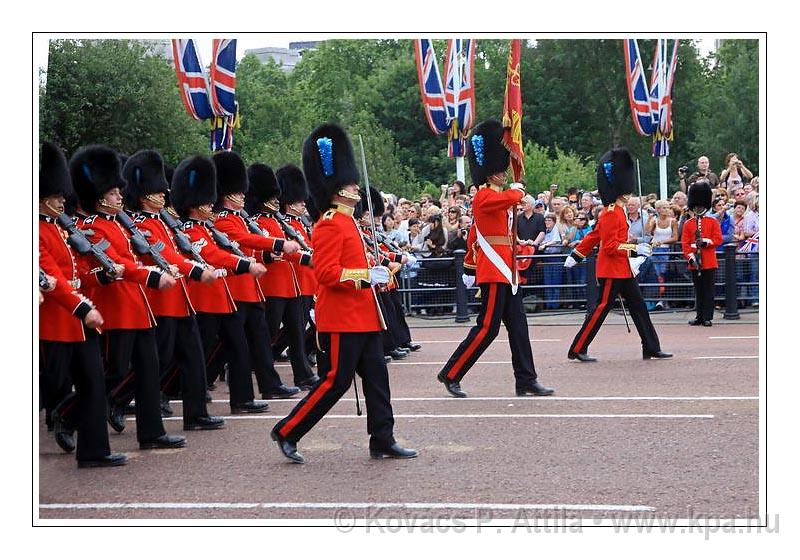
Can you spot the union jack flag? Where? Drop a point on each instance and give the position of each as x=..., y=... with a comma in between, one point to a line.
x=459, y=92
x=223, y=77
x=662, y=81
x=638, y=93
x=430, y=86
x=192, y=82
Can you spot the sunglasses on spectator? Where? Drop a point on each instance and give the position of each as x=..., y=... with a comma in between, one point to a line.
x=581, y=218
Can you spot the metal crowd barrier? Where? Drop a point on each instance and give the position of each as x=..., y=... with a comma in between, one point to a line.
x=434, y=287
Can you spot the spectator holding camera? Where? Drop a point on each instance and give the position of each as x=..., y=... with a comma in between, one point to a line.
x=735, y=174
x=703, y=171
x=451, y=222
x=457, y=239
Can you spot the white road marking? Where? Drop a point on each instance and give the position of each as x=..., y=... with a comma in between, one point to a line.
x=537, y=400
x=585, y=416
x=495, y=340
x=730, y=337
x=725, y=358
x=349, y=505
x=404, y=363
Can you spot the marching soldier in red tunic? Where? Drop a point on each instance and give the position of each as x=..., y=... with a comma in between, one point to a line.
x=701, y=236
x=177, y=333
x=293, y=207
x=615, y=181
x=68, y=325
x=392, y=336
x=348, y=317
x=489, y=261
x=129, y=322
x=281, y=283
x=193, y=193
x=232, y=187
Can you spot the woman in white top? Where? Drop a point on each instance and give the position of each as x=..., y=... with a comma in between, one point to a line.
x=664, y=232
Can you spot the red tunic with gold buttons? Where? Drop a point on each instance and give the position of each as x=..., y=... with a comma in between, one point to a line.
x=345, y=299
x=63, y=309
x=175, y=301
x=709, y=229
x=215, y=297
x=122, y=303
x=231, y=223
x=491, y=212
x=308, y=280
x=611, y=232
x=281, y=279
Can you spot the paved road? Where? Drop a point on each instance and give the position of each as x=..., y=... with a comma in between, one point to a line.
x=675, y=438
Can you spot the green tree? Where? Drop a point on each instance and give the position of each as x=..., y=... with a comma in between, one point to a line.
x=730, y=105
x=118, y=93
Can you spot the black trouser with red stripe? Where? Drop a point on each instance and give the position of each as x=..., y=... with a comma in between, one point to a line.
x=259, y=344
x=704, y=293
x=342, y=355
x=133, y=370
x=609, y=289
x=497, y=304
x=86, y=408
x=180, y=354
x=224, y=332
x=290, y=312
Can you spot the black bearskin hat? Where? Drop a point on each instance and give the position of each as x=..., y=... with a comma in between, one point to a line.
x=311, y=208
x=263, y=187
x=231, y=174
x=615, y=175
x=293, y=185
x=53, y=172
x=485, y=151
x=144, y=174
x=193, y=184
x=168, y=172
x=700, y=195
x=95, y=170
x=378, y=206
x=328, y=163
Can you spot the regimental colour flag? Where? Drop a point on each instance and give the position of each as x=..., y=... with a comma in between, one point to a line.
x=459, y=92
x=430, y=86
x=192, y=82
x=512, y=110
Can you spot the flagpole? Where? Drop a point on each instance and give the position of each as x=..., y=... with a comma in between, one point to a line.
x=456, y=92
x=662, y=160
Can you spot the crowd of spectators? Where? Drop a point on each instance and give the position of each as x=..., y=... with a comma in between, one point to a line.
x=552, y=225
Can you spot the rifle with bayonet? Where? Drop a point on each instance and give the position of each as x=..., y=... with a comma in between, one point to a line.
x=141, y=245
x=181, y=239
x=224, y=241
x=291, y=232
x=44, y=283
x=79, y=241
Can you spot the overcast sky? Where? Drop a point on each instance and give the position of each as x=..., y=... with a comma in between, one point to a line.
x=253, y=41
